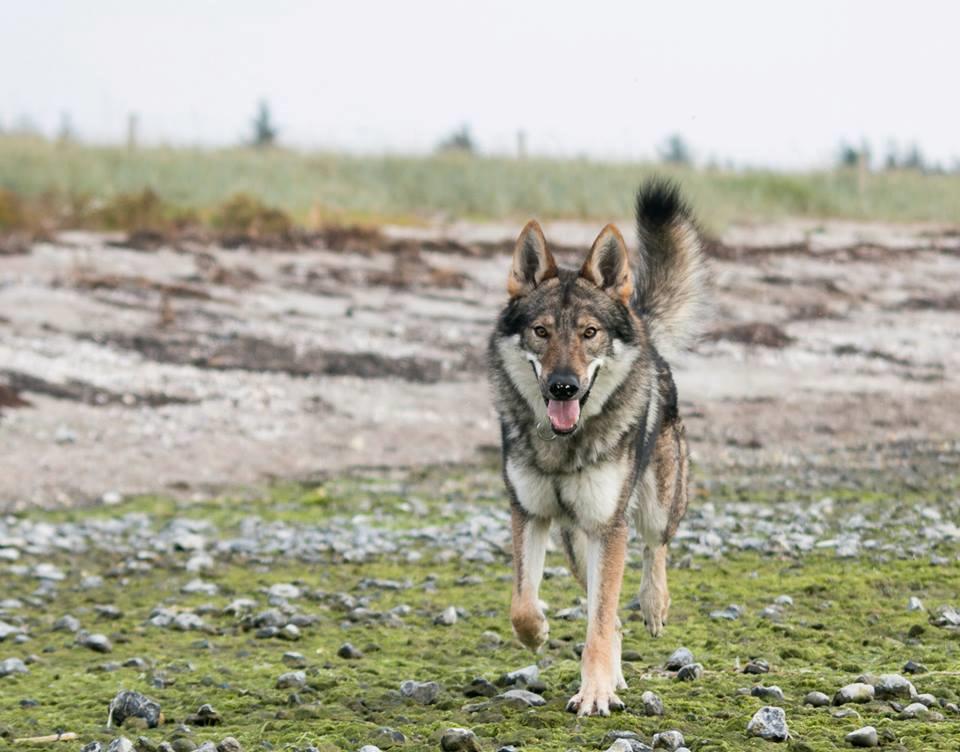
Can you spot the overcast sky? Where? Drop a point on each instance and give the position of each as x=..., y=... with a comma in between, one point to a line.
x=754, y=81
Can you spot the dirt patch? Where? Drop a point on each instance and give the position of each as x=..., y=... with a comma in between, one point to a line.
x=753, y=333
x=136, y=284
x=10, y=397
x=84, y=392
x=872, y=354
x=945, y=303
x=255, y=354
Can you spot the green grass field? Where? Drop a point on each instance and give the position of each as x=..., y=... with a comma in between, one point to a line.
x=318, y=187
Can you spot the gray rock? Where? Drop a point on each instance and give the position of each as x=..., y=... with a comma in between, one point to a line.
x=10, y=666
x=120, y=744
x=914, y=604
x=915, y=710
x=290, y=632
x=284, y=590
x=292, y=680
x=894, y=687
x=67, y=623
x=8, y=630
x=757, y=666
x=856, y=692
x=531, y=699
x=863, y=737
x=480, y=687
x=912, y=667
x=691, y=672
x=369, y=748
x=730, y=613
x=490, y=640
x=229, y=744
x=387, y=737
x=349, y=652
x=423, y=692
x=625, y=744
x=816, y=699
x=769, y=723
x=96, y=642
x=130, y=704
x=783, y=601
x=92, y=747
x=652, y=704
x=670, y=740
x=927, y=699
x=294, y=660
x=200, y=586
x=459, y=740
x=521, y=677
x=678, y=659
x=187, y=621
x=206, y=715
x=772, y=692
x=447, y=618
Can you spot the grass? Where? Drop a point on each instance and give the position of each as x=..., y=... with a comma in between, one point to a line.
x=319, y=187
x=848, y=617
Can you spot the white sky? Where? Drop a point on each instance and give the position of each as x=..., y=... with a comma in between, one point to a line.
x=753, y=81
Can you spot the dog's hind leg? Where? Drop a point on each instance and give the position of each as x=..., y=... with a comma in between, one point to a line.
x=575, y=547
x=660, y=503
x=530, y=536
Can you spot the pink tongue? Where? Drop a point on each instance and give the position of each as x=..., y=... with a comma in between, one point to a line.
x=563, y=415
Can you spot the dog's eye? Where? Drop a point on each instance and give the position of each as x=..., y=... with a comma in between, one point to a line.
x=589, y=332
x=540, y=331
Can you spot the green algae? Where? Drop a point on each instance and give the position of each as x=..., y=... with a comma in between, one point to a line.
x=849, y=617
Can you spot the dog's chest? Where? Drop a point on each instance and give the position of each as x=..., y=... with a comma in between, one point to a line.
x=587, y=498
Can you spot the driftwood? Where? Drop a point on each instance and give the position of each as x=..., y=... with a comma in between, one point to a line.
x=67, y=737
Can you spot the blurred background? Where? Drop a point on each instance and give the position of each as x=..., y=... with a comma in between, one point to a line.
x=246, y=241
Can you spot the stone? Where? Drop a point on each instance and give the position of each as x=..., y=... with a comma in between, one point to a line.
x=67, y=623
x=349, y=652
x=292, y=680
x=10, y=666
x=447, y=618
x=294, y=660
x=912, y=667
x=856, y=692
x=863, y=737
x=670, y=740
x=290, y=632
x=423, y=692
x=459, y=740
x=678, y=659
x=369, y=748
x=915, y=710
x=783, y=600
x=652, y=704
x=757, y=666
x=691, y=672
x=625, y=744
x=386, y=738
x=769, y=723
x=927, y=699
x=130, y=704
x=730, y=613
x=521, y=677
x=96, y=642
x=894, y=687
x=531, y=699
x=120, y=744
x=816, y=699
x=229, y=744
x=284, y=590
x=480, y=687
x=914, y=604
x=772, y=692
x=205, y=716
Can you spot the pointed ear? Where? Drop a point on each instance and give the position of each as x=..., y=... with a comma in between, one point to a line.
x=608, y=265
x=532, y=261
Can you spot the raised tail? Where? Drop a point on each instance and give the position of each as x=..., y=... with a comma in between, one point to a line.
x=672, y=275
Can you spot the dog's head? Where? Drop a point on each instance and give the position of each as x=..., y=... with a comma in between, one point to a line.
x=568, y=325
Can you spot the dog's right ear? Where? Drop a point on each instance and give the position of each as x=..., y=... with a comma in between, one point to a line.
x=532, y=261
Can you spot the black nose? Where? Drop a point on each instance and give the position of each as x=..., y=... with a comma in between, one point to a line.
x=563, y=386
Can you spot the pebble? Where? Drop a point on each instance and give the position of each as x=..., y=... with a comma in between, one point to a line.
x=201, y=587
x=691, y=672
x=285, y=591
x=730, y=613
x=120, y=744
x=894, y=686
x=757, y=666
x=915, y=710
x=816, y=699
x=625, y=744
x=678, y=659
x=290, y=632
x=521, y=677
x=531, y=699
x=67, y=623
x=423, y=692
x=783, y=600
x=914, y=604
x=912, y=667
x=927, y=699
x=459, y=740
x=206, y=715
x=652, y=704
x=229, y=744
x=10, y=666
x=8, y=630
x=369, y=748
x=670, y=740
x=769, y=723
x=130, y=704
x=772, y=692
x=96, y=642
x=292, y=680
x=480, y=687
x=294, y=660
x=348, y=651
x=856, y=692
x=863, y=737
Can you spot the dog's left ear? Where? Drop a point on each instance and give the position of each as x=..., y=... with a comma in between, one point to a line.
x=608, y=265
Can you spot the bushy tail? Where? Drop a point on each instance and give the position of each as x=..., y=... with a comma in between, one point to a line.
x=672, y=274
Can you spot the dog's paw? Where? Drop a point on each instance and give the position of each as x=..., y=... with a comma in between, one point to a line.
x=655, y=607
x=531, y=628
x=594, y=698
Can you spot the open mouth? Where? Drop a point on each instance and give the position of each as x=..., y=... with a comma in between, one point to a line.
x=563, y=415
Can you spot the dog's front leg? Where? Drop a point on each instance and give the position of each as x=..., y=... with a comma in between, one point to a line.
x=599, y=676
x=530, y=535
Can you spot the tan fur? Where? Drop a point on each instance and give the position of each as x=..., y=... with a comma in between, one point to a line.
x=526, y=616
x=610, y=241
x=531, y=239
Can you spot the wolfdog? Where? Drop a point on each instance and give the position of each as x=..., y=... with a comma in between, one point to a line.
x=590, y=428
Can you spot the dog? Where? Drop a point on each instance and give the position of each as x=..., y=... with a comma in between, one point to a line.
x=591, y=433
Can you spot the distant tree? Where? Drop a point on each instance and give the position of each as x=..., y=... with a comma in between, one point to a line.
x=913, y=159
x=848, y=156
x=264, y=130
x=675, y=150
x=460, y=140
x=65, y=133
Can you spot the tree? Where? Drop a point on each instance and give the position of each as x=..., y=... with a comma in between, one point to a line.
x=460, y=140
x=675, y=150
x=264, y=130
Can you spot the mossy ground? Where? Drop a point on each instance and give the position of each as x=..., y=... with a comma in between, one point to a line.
x=848, y=617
